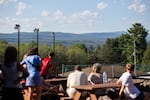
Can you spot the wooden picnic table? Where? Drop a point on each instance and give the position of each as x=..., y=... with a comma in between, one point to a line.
x=55, y=80
x=91, y=89
x=59, y=81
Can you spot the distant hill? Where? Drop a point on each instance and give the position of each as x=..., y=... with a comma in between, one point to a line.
x=66, y=39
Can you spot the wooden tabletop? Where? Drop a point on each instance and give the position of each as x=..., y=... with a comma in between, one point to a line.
x=55, y=79
x=97, y=86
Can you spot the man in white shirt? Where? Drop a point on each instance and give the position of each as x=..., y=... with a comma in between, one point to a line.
x=75, y=78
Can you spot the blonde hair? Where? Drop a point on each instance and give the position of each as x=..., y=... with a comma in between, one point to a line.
x=130, y=67
x=96, y=68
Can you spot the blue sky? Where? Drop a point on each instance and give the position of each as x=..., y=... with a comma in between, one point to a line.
x=75, y=16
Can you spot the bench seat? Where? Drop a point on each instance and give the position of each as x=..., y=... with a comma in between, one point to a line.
x=66, y=98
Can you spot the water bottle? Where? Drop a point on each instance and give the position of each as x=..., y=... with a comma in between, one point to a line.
x=104, y=77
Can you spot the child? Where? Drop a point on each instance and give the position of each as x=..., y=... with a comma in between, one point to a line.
x=127, y=86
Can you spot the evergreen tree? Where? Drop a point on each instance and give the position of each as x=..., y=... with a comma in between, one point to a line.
x=138, y=35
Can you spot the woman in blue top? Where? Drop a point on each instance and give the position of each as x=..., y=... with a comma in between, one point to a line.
x=33, y=81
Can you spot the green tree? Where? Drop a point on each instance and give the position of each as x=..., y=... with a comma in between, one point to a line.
x=138, y=35
x=109, y=53
x=146, y=60
x=81, y=46
x=76, y=55
x=60, y=54
x=44, y=49
x=92, y=58
x=3, y=45
x=126, y=48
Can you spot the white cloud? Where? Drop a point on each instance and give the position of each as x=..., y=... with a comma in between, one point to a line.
x=88, y=13
x=83, y=18
x=6, y=1
x=20, y=8
x=124, y=18
x=27, y=24
x=102, y=5
x=85, y=14
x=58, y=15
x=45, y=13
x=60, y=21
x=138, y=6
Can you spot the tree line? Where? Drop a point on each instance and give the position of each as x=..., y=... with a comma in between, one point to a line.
x=127, y=48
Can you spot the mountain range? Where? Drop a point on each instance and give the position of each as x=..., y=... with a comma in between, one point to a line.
x=94, y=39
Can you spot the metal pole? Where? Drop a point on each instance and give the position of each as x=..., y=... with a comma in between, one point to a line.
x=18, y=44
x=17, y=27
x=38, y=39
x=135, y=56
x=53, y=41
x=37, y=32
x=63, y=70
x=112, y=71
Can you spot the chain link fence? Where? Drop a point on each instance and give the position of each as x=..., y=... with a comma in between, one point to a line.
x=112, y=70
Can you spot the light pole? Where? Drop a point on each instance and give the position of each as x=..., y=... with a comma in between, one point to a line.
x=37, y=31
x=53, y=41
x=134, y=54
x=135, y=38
x=17, y=27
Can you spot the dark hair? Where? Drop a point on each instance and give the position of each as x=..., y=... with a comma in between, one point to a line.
x=77, y=67
x=10, y=55
x=32, y=51
x=52, y=54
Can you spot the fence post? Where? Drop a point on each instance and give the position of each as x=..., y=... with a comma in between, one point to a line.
x=62, y=69
x=1, y=61
x=112, y=71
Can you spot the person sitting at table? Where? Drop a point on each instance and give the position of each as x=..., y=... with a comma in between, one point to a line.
x=96, y=77
x=127, y=86
x=48, y=65
x=75, y=78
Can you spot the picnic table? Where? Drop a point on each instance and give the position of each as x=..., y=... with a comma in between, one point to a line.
x=62, y=81
x=92, y=88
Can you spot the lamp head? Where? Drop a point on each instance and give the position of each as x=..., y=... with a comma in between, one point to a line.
x=17, y=26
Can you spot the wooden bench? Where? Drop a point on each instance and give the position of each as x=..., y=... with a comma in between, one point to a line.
x=66, y=98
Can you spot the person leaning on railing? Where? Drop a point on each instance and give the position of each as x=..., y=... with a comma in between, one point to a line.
x=48, y=65
x=127, y=85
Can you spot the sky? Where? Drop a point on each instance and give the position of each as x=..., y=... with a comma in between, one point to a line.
x=73, y=16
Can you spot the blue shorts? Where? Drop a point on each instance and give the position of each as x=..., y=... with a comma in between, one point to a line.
x=33, y=81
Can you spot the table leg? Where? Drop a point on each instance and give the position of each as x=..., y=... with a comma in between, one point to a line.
x=77, y=95
x=93, y=96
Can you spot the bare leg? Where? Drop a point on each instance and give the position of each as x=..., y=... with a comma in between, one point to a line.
x=25, y=94
x=147, y=96
x=30, y=93
x=38, y=92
